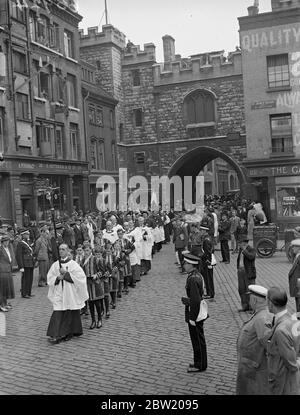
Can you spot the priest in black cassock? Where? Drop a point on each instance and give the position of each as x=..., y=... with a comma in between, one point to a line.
x=67, y=292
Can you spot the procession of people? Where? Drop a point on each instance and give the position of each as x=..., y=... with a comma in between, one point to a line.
x=89, y=262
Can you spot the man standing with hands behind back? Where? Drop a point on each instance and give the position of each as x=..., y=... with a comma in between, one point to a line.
x=25, y=261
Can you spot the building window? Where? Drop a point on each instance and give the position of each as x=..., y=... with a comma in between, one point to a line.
x=71, y=90
x=68, y=44
x=200, y=107
x=17, y=10
x=121, y=129
x=101, y=152
x=92, y=114
x=288, y=200
x=138, y=117
x=112, y=119
x=139, y=157
x=114, y=156
x=44, y=85
x=93, y=149
x=1, y=132
x=99, y=116
x=60, y=88
x=53, y=31
x=44, y=139
x=281, y=133
x=41, y=29
x=136, y=79
x=209, y=166
x=22, y=106
x=74, y=144
x=19, y=62
x=59, y=142
x=278, y=70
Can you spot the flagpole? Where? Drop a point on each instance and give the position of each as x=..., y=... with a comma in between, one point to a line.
x=106, y=21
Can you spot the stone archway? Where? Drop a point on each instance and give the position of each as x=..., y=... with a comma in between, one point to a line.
x=193, y=161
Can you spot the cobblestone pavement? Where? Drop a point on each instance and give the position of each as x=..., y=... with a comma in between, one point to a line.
x=144, y=348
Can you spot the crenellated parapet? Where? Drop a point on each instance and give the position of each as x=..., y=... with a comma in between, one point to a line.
x=198, y=67
x=134, y=55
x=109, y=35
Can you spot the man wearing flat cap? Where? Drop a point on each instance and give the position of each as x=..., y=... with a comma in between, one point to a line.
x=294, y=274
x=195, y=291
x=25, y=261
x=283, y=346
x=252, y=372
x=42, y=253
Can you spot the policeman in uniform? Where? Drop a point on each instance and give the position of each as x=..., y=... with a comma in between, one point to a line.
x=252, y=373
x=195, y=291
x=294, y=274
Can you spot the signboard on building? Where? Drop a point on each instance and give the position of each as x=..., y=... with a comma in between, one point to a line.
x=263, y=104
x=288, y=200
x=284, y=170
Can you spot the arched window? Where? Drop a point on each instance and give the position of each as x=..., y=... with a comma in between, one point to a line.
x=200, y=113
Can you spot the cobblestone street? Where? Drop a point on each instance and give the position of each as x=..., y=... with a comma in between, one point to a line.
x=144, y=348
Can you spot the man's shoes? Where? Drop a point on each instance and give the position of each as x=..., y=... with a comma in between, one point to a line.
x=113, y=306
x=119, y=295
x=40, y=284
x=67, y=337
x=194, y=369
x=207, y=297
x=93, y=325
x=31, y=295
x=8, y=306
x=243, y=310
x=54, y=340
x=99, y=324
x=4, y=309
x=227, y=262
x=25, y=296
x=107, y=315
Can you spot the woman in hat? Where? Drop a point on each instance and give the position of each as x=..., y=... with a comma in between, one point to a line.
x=6, y=281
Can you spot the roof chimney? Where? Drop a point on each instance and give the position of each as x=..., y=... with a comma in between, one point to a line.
x=252, y=10
x=169, y=48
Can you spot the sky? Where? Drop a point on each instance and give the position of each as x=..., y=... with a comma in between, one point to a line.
x=197, y=26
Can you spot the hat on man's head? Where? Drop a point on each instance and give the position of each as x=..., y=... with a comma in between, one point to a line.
x=44, y=228
x=59, y=225
x=191, y=259
x=257, y=290
x=4, y=238
x=295, y=242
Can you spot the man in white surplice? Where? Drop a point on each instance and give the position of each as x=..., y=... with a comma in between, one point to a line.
x=67, y=293
x=144, y=245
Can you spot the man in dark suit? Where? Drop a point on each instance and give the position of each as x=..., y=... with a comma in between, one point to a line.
x=195, y=291
x=294, y=274
x=25, y=261
x=224, y=237
x=6, y=282
x=78, y=233
x=246, y=272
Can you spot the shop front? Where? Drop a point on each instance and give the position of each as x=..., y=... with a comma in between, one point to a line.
x=282, y=185
x=28, y=182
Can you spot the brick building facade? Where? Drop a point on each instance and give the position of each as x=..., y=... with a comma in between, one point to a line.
x=270, y=54
x=166, y=110
x=41, y=121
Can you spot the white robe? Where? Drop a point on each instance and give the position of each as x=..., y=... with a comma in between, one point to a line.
x=111, y=236
x=133, y=256
x=67, y=296
x=144, y=248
